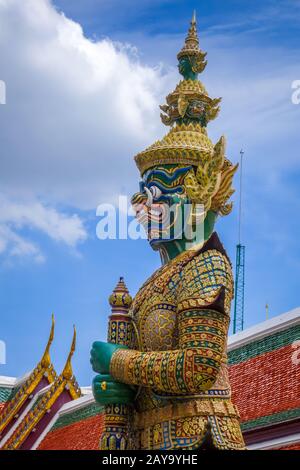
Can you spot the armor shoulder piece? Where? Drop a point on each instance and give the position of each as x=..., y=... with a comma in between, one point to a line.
x=206, y=280
x=214, y=243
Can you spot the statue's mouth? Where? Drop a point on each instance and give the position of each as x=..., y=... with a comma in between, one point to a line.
x=158, y=220
x=157, y=213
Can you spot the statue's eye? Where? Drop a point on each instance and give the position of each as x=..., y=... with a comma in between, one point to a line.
x=156, y=192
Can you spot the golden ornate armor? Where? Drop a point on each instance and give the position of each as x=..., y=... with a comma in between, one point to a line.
x=179, y=355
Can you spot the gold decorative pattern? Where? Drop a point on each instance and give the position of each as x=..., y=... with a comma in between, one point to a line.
x=170, y=288
x=191, y=48
x=192, y=368
x=67, y=372
x=225, y=190
x=226, y=433
x=43, y=369
x=120, y=296
x=115, y=434
x=181, y=361
x=209, y=182
x=189, y=92
x=179, y=410
x=188, y=109
x=65, y=381
x=184, y=144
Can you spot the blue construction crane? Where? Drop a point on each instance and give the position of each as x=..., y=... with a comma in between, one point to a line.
x=238, y=318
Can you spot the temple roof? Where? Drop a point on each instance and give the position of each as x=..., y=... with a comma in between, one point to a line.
x=43, y=403
x=265, y=386
x=264, y=369
x=24, y=389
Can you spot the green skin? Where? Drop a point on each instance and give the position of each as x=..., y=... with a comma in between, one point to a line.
x=101, y=353
x=185, y=69
x=170, y=249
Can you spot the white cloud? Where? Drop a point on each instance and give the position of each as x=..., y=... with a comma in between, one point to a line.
x=16, y=217
x=76, y=111
x=14, y=245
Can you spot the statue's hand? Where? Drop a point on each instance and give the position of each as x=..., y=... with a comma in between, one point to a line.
x=101, y=354
x=108, y=392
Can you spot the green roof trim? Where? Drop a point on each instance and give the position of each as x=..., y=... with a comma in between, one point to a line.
x=264, y=345
x=271, y=419
x=78, y=415
x=5, y=394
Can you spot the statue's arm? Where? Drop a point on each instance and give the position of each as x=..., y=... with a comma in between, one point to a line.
x=191, y=368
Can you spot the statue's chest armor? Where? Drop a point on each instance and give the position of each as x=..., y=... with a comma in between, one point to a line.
x=154, y=309
x=155, y=320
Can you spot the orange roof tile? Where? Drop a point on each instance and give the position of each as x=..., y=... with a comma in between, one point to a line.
x=82, y=435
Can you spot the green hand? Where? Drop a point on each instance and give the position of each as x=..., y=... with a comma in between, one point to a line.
x=101, y=354
x=108, y=392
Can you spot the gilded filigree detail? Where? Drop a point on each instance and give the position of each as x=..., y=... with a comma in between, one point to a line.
x=65, y=381
x=200, y=333
x=181, y=361
x=209, y=182
x=44, y=369
x=191, y=100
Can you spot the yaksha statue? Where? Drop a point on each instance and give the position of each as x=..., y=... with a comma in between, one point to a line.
x=172, y=375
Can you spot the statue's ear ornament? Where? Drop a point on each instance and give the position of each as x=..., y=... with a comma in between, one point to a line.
x=183, y=103
x=197, y=62
x=210, y=183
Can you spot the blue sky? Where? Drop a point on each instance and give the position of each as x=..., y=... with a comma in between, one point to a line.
x=83, y=90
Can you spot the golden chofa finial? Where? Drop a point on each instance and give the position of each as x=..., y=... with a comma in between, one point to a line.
x=46, y=361
x=191, y=49
x=67, y=372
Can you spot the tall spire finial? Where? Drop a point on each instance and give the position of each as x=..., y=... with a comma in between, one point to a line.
x=191, y=49
x=67, y=373
x=46, y=361
x=194, y=20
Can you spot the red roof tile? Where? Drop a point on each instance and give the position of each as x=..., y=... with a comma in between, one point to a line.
x=266, y=384
x=290, y=447
x=82, y=435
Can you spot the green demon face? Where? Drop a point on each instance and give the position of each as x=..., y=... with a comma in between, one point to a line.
x=162, y=206
x=185, y=68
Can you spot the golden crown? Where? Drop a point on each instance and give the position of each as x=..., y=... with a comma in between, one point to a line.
x=189, y=108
